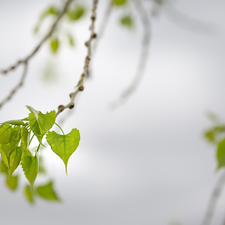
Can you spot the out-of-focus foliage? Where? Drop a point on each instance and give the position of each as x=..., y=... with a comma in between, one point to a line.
x=127, y=21
x=119, y=2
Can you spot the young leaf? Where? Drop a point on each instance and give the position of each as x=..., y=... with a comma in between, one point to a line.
x=25, y=138
x=30, y=167
x=70, y=39
x=50, y=11
x=54, y=44
x=3, y=168
x=127, y=21
x=14, y=160
x=47, y=192
x=64, y=145
x=28, y=194
x=12, y=182
x=221, y=154
x=40, y=123
x=76, y=13
x=5, y=131
x=8, y=147
x=119, y=2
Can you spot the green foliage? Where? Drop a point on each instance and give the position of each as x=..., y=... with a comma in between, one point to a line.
x=221, y=154
x=29, y=164
x=70, y=39
x=54, y=45
x=28, y=194
x=76, y=13
x=119, y=2
x=47, y=192
x=127, y=21
x=64, y=145
x=12, y=182
x=15, y=150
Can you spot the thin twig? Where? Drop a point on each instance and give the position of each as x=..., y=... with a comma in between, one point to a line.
x=25, y=61
x=17, y=87
x=80, y=85
x=143, y=57
x=213, y=200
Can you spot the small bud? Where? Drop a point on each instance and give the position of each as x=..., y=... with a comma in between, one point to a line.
x=81, y=88
x=71, y=106
x=61, y=108
x=5, y=71
x=93, y=18
x=83, y=75
x=86, y=43
x=94, y=35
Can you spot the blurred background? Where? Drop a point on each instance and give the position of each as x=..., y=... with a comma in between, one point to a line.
x=145, y=162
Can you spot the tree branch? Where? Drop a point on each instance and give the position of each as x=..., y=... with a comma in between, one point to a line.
x=80, y=85
x=213, y=200
x=143, y=57
x=25, y=61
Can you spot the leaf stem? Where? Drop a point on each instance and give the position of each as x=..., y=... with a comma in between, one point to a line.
x=38, y=147
x=31, y=139
x=60, y=128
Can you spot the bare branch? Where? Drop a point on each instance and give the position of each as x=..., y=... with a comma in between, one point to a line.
x=17, y=87
x=143, y=57
x=25, y=61
x=213, y=200
x=80, y=85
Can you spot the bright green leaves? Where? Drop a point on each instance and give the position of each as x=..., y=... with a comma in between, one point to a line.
x=25, y=138
x=54, y=44
x=14, y=160
x=221, y=154
x=127, y=21
x=15, y=150
x=47, y=192
x=76, y=13
x=64, y=145
x=30, y=167
x=119, y=2
x=70, y=40
x=40, y=123
x=12, y=182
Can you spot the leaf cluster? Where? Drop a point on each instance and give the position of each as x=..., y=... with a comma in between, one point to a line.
x=15, y=140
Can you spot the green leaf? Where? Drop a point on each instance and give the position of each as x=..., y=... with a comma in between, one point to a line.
x=3, y=168
x=25, y=138
x=76, y=13
x=14, y=160
x=70, y=39
x=30, y=167
x=41, y=168
x=5, y=132
x=119, y=2
x=15, y=122
x=11, y=141
x=127, y=21
x=50, y=11
x=40, y=123
x=47, y=192
x=28, y=194
x=54, y=44
x=64, y=145
x=12, y=182
x=221, y=154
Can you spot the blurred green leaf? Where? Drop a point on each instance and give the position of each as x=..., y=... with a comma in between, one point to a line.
x=29, y=164
x=28, y=194
x=119, y=2
x=12, y=182
x=54, y=44
x=41, y=168
x=76, y=13
x=49, y=11
x=3, y=168
x=70, y=39
x=214, y=134
x=47, y=192
x=221, y=154
x=127, y=21
x=64, y=145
